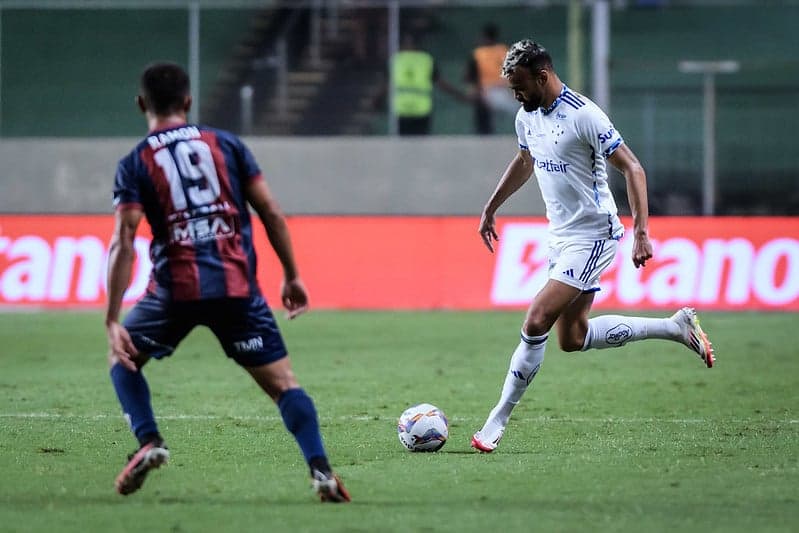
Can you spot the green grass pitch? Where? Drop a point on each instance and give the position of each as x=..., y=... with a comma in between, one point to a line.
x=642, y=438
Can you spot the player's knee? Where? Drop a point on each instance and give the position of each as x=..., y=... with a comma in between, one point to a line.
x=536, y=324
x=571, y=343
x=274, y=381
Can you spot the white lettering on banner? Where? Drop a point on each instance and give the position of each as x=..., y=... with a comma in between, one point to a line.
x=72, y=269
x=26, y=278
x=738, y=255
x=765, y=284
x=675, y=279
x=68, y=250
x=711, y=271
x=141, y=276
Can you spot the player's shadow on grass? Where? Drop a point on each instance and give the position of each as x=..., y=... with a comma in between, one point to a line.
x=206, y=499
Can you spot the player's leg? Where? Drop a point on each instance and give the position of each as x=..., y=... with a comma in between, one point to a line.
x=526, y=360
x=612, y=331
x=155, y=334
x=577, y=332
x=299, y=416
x=251, y=337
x=572, y=324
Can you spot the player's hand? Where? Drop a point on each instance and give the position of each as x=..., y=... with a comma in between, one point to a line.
x=294, y=297
x=121, y=345
x=487, y=230
x=642, y=250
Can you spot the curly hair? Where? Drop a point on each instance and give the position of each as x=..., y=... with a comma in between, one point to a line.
x=526, y=53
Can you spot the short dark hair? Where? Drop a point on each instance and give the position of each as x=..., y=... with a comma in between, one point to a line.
x=164, y=87
x=526, y=53
x=491, y=31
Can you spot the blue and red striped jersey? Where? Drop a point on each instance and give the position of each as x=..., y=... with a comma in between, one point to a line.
x=189, y=180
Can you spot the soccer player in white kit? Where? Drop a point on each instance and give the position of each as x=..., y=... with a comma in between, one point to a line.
x=566, y=141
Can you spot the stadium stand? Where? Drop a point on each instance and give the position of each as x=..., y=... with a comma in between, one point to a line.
x=60, y=83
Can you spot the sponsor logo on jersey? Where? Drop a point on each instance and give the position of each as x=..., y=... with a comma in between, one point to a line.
x=551, y=166
x=201, y=229
x=608, y=135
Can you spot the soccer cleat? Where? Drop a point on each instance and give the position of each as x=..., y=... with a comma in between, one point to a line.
x=329, y=487
x=693, y=336
x=484, y=445
x=149, y=456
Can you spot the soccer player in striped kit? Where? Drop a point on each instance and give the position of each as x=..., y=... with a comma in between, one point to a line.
x=566, y=141
x=194, y=184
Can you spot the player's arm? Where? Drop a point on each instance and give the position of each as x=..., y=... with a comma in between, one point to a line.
x=293, y=293
x=625, y=161
x=121, y=256
x=516, y=174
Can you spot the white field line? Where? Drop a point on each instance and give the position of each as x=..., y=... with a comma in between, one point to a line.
x=366, y=418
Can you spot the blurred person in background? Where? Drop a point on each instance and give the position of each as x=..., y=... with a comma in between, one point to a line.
x=414, y=76
x=195, y=185
x=566, y=141
x=492, y=98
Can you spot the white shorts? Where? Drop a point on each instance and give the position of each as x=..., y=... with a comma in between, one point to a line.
x=580, y=263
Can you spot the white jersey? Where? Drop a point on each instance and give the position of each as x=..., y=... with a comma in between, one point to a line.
x=569, y=142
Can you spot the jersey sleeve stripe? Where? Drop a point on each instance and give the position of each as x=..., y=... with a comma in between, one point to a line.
x=613, y=147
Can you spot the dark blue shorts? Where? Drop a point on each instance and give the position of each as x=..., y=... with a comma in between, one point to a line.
x=246, y=328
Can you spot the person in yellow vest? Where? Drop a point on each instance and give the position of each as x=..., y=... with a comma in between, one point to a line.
x=489, y=90
x=414, y=75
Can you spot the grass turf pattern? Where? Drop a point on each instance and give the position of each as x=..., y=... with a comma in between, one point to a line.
x=641, y=438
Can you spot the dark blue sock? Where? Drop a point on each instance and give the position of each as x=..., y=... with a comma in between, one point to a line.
x=299, y=415
x=134, y=395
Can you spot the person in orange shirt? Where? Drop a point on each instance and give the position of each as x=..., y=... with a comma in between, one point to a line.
x=490, y=92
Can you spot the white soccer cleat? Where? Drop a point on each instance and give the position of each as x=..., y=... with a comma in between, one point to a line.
x=149, y=457
x=329, y=487
x=693, y=336
x=486, y=445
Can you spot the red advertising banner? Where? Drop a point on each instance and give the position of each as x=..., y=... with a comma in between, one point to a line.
x=431, y=263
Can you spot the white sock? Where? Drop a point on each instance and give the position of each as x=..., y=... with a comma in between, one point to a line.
x=524, y=365
x=612, y=331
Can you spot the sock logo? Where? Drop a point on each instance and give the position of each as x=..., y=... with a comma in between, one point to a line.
x=518, y=374
x=618, y=335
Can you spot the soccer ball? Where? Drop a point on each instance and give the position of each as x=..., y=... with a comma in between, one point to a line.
x=423, y=428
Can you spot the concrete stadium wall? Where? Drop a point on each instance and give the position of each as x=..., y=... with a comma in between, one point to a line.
x=339, y=175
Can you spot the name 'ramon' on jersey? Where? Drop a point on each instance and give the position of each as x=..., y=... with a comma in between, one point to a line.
x=190, y=182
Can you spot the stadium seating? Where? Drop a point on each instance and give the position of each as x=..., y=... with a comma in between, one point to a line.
x=59, y=82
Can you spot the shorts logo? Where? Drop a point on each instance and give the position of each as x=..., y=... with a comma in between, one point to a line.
x=569, y=272
x=618, y=335
x=250, y=345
